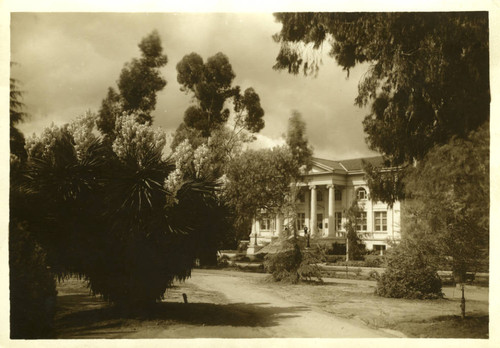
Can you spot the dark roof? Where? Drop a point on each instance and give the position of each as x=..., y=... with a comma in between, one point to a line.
x=349, y=165
x=357, y=163
x=335, y=165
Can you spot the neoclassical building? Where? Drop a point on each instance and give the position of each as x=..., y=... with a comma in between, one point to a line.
x=325, y=195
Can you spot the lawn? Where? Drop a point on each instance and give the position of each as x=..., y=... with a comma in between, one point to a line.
x=355, y=299
x=82, y=316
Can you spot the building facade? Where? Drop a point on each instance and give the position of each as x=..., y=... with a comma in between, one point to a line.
x=325, y=195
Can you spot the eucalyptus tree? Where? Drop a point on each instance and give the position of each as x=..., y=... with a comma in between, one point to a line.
x=426, y=80
x=139, y=82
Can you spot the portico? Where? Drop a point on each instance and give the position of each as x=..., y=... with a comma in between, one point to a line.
x=325, y=194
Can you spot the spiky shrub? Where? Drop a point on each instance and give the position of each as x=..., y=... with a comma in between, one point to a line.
x=107, y=214
x=284, y=264
x=309, y=269
x=409, y=274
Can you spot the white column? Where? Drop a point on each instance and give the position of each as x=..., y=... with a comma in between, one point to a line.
x=279, y=224
x=313, y=228
x=331, y=211
x=253, y=234
x=307, y=211
x=257, y=230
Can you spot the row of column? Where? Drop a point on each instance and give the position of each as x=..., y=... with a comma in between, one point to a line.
x=313, y=219
x=313, y=227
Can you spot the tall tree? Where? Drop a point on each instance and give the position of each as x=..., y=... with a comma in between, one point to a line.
x=210, y=83
x=266, y=189
x=296, y=140
x=428, y=75
x=32, y=285
x=139, y=82
x=450, y=193
x=17, y=115
x=354, y=245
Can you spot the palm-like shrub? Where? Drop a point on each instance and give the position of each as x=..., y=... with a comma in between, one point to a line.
x=104, y=213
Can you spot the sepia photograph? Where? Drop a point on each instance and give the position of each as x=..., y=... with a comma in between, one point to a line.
x=240, y=175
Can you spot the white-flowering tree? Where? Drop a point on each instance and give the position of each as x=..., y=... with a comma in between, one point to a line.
x=107, y=211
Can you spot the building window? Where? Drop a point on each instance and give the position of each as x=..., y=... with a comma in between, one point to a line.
x=301, y=220
x=319, y=196
x=380, y=248
x=380, y=221
x=361, y=194
x=361, y=224
x=338, y=221
x=265, y=224
x=338, y=195
x=320, y=221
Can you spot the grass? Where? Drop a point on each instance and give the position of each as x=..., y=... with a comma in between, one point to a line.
x=82, y=316
x=415, y=318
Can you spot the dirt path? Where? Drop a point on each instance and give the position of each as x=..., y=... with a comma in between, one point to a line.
x=304, y=322
x=222, y=304
x=258, y=312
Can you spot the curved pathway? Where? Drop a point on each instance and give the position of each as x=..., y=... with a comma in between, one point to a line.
x=258, y=312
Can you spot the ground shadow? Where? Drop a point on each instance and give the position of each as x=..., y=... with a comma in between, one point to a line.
x=82, y=316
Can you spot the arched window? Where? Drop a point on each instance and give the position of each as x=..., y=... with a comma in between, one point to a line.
x=361, y=194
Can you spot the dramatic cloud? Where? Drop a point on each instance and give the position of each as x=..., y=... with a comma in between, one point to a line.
x=66, y=62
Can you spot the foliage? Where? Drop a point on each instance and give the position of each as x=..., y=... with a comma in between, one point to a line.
x=297, y=141
x=284, y=265
x=32, y=286
x=267, y=188
x=409, y=273
x=135, y=140
x=184, y=132
x=214, y=219
x=450, y=208
x=139, y=82
x=427, y=81
x=374, y=260
x=387, y=183
x=211, y=86
x=111, y=109
x=104, y=214
x=428, y=76
x=355, y=247
x=309, y=267
x=291, y=264
x=16, y=115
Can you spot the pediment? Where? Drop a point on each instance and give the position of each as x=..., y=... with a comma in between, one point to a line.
x=317, y=169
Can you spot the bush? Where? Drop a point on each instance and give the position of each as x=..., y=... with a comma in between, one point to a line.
x=351, y=263
x=409, y=275
x=283, y=265
x=32, y=287
x=374, y=275
x=374, y=261
x=334, y=258
x=291, y=265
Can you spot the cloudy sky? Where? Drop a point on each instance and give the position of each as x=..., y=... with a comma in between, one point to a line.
x=66, y=62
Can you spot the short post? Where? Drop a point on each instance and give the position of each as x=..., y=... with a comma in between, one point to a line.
x=184, y=296
x=462, y=303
